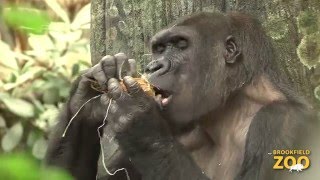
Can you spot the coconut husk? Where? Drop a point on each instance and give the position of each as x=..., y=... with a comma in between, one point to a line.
x=145, y=85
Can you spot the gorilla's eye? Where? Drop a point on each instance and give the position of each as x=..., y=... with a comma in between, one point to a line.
x=158, y=48
x=179, y=42
x=182, y=44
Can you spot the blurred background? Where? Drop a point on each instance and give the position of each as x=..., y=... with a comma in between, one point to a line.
x=45, y=44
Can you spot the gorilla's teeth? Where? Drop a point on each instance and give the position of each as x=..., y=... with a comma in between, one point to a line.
x=164, y=101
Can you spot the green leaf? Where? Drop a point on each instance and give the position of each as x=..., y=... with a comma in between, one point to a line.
x=12, y=138
x=29, y=75
x=22, y=166
x=19, y=107
x=54, y=174
x=48, y=118
x=75, y=69
x=39, y=148
x=28, y=19
x=32, y=138
x=18, y=167
x=51, y=95
x=2, y=122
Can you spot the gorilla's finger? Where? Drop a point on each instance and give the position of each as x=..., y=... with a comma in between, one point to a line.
x=132, y=86
x=122, y=65
x=114, y=107
x=109, y=66
x=122, y=123
x=105, y=100
x=132, y=68
x=97, y=73
x=114, y=89
x=84, y=83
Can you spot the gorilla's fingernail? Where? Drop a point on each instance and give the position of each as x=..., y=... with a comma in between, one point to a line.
x=112, y=80
x=128, y=78
x=113, y=86
x=104, y=99
x=106, y=57
x=121, y=55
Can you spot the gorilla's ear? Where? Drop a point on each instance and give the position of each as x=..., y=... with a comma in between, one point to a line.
x=232, y=51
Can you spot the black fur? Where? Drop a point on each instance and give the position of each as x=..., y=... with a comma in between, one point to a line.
x=204, y=61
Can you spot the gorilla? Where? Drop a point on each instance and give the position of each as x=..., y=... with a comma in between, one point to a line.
x=221, y=107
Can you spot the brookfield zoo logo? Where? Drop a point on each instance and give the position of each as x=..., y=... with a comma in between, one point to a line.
x=292, y=160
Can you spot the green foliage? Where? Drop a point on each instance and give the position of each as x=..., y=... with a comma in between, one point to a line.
x=20, y=17
x=308, y=22
x=21, y=166
x=35, y=83
x=277, y=27
x=12, y=138
x=317, y=92
x=309, y=50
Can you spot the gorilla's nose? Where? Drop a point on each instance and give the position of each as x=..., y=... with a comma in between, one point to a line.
x=158, y=67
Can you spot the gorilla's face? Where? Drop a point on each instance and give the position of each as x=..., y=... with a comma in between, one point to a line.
x=188, y=70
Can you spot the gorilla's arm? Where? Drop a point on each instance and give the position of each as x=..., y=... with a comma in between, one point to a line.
x=78, y=151
x=145, y=136
x=170, y=161
x=275, y=126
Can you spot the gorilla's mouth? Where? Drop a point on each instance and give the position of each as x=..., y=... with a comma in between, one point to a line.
x=163, y=97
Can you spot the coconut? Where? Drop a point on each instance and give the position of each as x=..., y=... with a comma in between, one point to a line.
x=144, y=84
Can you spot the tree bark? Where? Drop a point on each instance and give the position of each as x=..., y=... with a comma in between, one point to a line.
x=98, y=31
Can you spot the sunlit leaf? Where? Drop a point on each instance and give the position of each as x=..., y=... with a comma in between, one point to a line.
x=82, y=19
x=39, y=148
x=55, y=6
x=7, y=57
x=41, y=43
x=33, y=72
x=28, y=19
x=48, y=118
x=19, y=107
x=12, y=138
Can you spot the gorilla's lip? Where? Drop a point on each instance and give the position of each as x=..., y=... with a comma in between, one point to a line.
x=163, y=97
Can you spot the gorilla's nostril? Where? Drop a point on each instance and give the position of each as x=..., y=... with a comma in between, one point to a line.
x=154, y=66
x=158, y=67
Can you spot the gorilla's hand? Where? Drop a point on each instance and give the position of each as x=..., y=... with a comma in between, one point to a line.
x=135, y=117
x=145, y=136
x=109, y=67
x=79, y=146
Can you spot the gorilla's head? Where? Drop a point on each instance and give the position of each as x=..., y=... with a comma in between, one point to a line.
x=202, y=59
